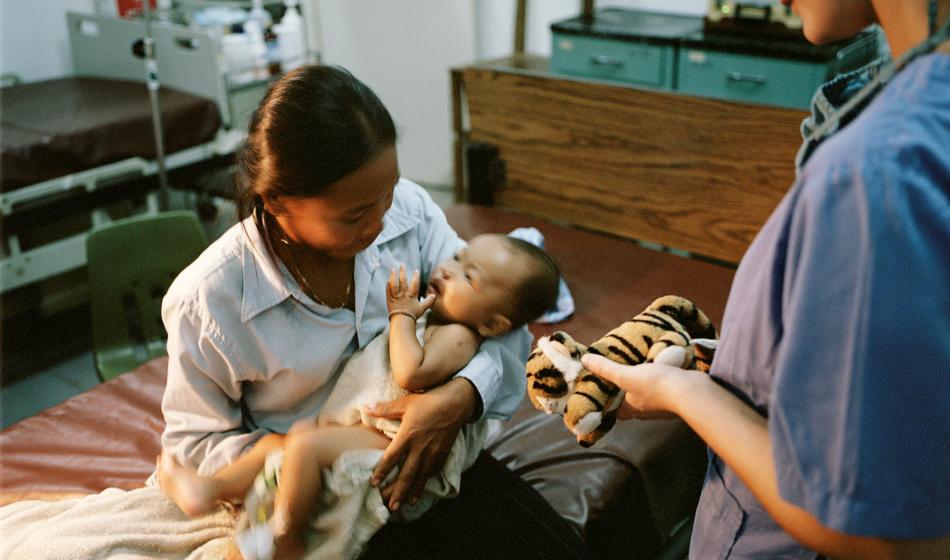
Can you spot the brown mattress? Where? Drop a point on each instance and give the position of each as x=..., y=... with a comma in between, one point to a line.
x=57, y=127
x=635, y=484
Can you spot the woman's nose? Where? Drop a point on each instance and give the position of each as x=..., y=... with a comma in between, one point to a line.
x=373, y=229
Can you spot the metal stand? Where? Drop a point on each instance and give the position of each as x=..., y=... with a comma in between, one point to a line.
x=151, y=80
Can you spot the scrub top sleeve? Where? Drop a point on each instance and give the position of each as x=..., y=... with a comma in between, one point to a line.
x=858, y=417
x=203, y=426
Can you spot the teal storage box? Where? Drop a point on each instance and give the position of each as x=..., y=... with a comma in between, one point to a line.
x=754, y=79
x=769, y=71
x=625, y=46
x=745, y=61
x=623, y=61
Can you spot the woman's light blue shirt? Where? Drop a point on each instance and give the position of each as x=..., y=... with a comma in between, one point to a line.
x=837, y=329
x=242, y=332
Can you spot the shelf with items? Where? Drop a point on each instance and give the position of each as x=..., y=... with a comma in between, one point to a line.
x=255, y=42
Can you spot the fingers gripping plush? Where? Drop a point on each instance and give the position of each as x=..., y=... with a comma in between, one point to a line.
x=671, y=330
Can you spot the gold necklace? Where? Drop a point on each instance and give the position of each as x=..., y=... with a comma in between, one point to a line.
x=298, y=274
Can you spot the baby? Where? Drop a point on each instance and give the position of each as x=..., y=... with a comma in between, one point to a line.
x=496, y=284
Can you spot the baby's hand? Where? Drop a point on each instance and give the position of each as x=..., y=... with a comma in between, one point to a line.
x=403, y=295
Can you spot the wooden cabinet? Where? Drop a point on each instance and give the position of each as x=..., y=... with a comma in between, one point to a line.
x=692, y=173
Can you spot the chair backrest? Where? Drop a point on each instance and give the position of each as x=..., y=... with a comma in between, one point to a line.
x=131, y=263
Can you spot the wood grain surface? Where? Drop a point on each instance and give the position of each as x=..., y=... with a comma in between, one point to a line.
x=691, y=173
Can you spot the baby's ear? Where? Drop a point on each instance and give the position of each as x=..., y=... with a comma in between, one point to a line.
x=494, y=326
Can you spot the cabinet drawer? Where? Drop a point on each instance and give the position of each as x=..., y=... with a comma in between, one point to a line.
x=607, y=59
x=770, y=81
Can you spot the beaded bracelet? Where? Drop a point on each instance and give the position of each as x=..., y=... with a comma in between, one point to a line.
x=402, y=312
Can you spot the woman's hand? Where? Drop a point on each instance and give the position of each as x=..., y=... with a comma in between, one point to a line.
x=651, y=388
x=402, y=295
x=430, y=423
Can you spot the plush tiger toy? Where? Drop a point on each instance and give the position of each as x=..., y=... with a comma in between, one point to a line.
x=671, y=330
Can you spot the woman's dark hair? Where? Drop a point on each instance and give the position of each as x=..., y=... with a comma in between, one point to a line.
x=316, y=125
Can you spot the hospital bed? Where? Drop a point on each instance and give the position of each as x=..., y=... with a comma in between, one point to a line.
x=75, y=147
x=629, y=496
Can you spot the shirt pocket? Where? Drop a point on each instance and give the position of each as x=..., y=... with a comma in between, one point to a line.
x=719, y=518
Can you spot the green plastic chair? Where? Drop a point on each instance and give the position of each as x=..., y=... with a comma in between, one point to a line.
x=131, y=263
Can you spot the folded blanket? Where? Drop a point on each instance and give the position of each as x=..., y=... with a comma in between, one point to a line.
x=350, y=510
x=115, y=523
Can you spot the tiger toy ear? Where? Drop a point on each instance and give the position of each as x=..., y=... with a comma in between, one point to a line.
x=705, y=350
x=551, y=371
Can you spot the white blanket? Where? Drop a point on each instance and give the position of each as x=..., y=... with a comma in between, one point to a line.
x=350, y=510
x=136, y=524
x=142, y=523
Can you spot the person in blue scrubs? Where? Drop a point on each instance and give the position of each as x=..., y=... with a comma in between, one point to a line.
x=827, y=408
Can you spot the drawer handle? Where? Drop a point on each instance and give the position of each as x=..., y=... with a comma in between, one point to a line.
x=749, y=78
x=604, y=60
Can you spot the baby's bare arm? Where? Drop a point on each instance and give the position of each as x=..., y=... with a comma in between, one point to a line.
x=402, y=298
x=447, y=349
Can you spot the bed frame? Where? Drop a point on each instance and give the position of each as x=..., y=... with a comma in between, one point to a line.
x=101, y=47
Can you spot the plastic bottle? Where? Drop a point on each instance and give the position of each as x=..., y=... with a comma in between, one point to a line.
x=255, y=36
x=239, y=60
x=290, y=39
x=260, y=15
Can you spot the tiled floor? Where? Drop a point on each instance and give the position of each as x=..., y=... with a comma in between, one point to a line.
x=33, y=393
x=49, y=387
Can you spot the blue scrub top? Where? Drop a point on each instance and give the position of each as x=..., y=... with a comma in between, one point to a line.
x=837, y=329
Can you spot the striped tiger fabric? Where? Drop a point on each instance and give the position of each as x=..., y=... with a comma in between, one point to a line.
x=671, y=330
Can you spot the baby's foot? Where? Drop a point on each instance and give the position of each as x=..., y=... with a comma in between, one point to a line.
x=191, y=492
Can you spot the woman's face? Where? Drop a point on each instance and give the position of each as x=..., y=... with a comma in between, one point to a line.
x=824, y=21
x=348, y=215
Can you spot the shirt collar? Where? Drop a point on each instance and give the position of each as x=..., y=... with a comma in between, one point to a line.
x=265, y=283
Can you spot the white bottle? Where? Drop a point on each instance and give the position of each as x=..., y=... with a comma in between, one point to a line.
x=238, y=58
x=260, y=15
x=255, y=36
x=290, y=39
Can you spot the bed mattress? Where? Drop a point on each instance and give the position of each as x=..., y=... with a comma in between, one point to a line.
x=58, y=127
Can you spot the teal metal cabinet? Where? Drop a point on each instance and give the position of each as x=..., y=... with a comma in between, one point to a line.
x=755, y=79
x=678, y=53
x=625, y=61
x=625, y=46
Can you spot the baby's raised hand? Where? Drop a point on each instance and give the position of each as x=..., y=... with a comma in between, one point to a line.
x=403, y=295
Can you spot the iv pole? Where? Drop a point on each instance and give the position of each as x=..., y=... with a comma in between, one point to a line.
x=151, y=79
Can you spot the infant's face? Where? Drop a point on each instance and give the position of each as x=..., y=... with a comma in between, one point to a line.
x=478, y=282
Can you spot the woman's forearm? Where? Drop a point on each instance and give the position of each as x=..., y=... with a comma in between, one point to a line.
x=739, y=435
